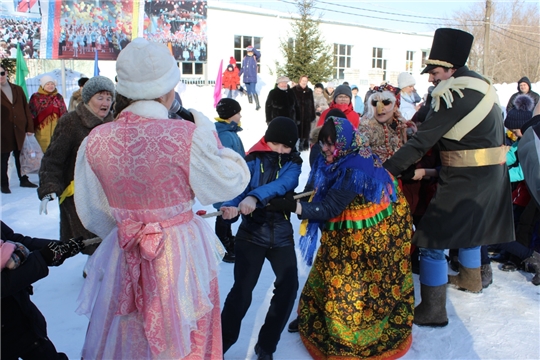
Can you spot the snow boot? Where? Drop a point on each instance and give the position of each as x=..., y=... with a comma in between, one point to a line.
x=293, y=326
x=250, y=98
x=468, y=279
x=257, y=107
x=487, y=275
x=24, y=182
x=534, y=262
x=432, y=310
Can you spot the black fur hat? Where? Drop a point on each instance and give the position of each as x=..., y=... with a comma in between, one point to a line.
x=521, y=113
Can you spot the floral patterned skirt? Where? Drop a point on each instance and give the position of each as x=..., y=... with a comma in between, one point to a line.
x=358, y=300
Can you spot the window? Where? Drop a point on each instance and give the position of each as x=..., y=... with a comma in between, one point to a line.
x=241, y=42
x=342, y=60
x=409, y=61
x=192, y=68
x=377, y=61
x=424, y=58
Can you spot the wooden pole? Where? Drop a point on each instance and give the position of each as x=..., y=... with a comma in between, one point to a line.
x=487, y=22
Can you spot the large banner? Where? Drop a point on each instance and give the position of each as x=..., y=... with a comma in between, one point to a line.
x=181, y=24
x=76, y=29
x=20, y=23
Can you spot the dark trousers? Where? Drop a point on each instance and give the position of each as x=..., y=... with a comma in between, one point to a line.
x=4, y=166
x=247, y=268
x=223, y=230
x=40, y=350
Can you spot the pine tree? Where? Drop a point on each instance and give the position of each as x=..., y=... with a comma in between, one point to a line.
x=306, y=53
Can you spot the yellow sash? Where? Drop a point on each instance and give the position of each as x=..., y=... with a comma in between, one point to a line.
x=68, y=191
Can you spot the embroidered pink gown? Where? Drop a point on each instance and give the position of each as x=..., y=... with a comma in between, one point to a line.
x=151, y=289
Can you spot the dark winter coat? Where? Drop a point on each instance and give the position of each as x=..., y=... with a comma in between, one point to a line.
x=16, y=120
x=531, y=93
x=75, y=100
x=305, y=110
x=472, y=205
x=58, y=165
x=22, y=322
x=249, y=67
x=272, y=175
x=280, y=103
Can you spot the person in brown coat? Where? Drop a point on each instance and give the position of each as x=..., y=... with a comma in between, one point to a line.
x=16, y=123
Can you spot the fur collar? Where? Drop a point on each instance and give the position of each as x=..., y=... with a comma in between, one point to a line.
x=149, y=109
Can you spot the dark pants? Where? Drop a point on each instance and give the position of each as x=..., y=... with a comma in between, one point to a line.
x=40, y=350
x=4, y=167
x=247, y=268
x=223, y=231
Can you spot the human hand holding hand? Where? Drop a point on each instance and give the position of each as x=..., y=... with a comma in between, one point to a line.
x=419, y=174
x=248, y=205
x=229, y=212
x=44, y=201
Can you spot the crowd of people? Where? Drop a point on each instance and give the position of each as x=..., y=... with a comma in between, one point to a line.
x=24, y=32
x=395, y=181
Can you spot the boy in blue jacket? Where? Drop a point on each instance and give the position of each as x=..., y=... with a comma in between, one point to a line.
x=227, y=127
x=275, y=167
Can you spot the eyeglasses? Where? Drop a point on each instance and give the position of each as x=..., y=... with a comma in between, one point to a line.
x=385, y=102
x=2, y=73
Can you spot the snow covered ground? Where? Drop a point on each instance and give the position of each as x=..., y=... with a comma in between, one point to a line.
x=503, y=322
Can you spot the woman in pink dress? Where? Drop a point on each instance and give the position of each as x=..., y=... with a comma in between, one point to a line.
x=152, y=287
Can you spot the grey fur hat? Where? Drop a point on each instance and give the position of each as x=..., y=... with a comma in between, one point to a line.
x=95, y=85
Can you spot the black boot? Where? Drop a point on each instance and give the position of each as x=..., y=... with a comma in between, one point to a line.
x=24, y=182
x=250, y=99
x=261, y=354
x=5, y=189
x=432, y=310
x=229, y=248
x=257, y=107
x=534, y=262
x=487, y=275
x=293, y=326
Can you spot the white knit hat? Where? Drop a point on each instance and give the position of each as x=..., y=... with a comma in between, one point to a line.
x=405, y=79
x=45, y=79
x=146, y=70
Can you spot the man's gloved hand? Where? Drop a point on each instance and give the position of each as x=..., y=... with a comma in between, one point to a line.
x=44, y=201
x=286, y=203
x=55, y=252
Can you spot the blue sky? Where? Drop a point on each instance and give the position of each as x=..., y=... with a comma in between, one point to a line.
x=418, y=16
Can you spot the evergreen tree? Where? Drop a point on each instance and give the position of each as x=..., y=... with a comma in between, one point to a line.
x=306, y=53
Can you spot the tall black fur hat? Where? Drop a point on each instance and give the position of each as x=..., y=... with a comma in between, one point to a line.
x=450, y=49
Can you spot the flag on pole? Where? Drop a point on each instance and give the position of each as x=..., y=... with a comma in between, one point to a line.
x=22, y=71
x=96, y=67
x=217, y=88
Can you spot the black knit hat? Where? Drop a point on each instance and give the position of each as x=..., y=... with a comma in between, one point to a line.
x=343, y=90
x=282, y=130
x=520, y=113
x=227, y=108
x=450, y=49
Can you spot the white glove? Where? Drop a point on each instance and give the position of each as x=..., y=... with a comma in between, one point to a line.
x=44, y=201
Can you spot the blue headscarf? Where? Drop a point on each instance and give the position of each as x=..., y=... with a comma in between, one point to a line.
x=355, y=168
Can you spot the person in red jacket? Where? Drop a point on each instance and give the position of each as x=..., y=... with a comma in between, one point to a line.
x=231, y=81
x=342, y=101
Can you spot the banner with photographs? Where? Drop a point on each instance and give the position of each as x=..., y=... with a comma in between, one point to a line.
x=180, y=24
x=20, y=23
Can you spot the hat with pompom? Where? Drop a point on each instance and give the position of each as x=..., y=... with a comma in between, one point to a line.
x=520, y=113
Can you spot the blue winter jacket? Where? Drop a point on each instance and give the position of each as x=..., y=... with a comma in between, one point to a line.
x=229, y=138
x=272, y=175
x=249, y=67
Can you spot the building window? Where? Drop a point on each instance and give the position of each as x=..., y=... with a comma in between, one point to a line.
x=409, y=61
x=377, y=61
x=342, y=60
x=241, y=42
x=192, y=68
x=424, y=58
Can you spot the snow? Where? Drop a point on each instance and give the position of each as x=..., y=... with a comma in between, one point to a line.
x=503, y=322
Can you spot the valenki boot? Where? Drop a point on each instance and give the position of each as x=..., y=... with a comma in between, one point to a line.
x=432, y=310
x=256, y=96
x=468, y=279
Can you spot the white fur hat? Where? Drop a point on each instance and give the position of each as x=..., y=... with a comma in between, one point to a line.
x=405, y=79
x=146, y=70
x=45, y=79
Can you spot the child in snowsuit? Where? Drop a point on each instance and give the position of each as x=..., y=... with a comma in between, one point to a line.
x=275, y=166
x=227, y=127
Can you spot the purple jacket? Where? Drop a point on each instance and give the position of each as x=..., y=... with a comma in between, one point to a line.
x=249, y=67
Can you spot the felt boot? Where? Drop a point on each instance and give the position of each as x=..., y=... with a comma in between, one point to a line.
x=468, y=279
x=257, y=107
x=534, y=263
x=432, y=310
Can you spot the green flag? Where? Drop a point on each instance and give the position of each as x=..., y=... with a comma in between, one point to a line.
x=22, y=71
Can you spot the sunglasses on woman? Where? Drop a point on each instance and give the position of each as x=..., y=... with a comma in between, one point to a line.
x=385, y=102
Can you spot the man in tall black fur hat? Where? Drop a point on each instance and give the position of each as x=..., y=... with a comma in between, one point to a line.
x=472, y=206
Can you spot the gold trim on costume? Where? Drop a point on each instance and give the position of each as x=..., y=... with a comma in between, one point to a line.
x=474, y=158
x=439, y=62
